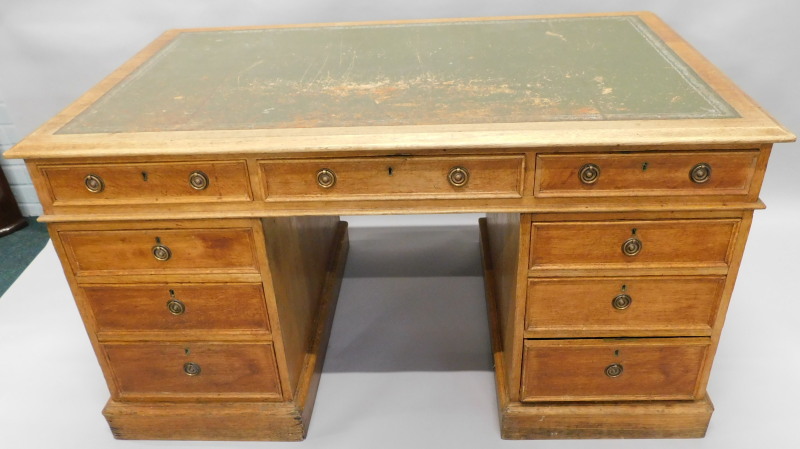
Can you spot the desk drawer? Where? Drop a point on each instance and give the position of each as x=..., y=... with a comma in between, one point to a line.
x=194, y=370
x=389, y=178
x=632, y=244
x=160, y=251
x=601, y=370
x=177, y=307
x=645, y=174
x=622, y=307
x=201, y=181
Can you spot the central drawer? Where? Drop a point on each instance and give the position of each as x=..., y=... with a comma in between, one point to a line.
x=160, y=251
x=632, y=244
x=126, y=308
x=190, y=370
x=390, y=178
x=619, y=370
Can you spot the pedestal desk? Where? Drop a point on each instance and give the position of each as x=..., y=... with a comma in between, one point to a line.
x=193, y=199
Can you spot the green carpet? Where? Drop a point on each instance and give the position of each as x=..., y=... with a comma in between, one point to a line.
x=18, y=249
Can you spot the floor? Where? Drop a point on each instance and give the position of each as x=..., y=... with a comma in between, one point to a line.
x=18, y=249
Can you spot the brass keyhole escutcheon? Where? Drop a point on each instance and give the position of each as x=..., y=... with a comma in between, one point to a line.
x=700, y=173
x=613, y=370
x=621, y=302
x=161, y=252
x=198, y=180
x=94, y=183
x=176, y=306
x=589, y=173
x=632, y=246
x=326, y=178
x=191, y=369
x=458, y=176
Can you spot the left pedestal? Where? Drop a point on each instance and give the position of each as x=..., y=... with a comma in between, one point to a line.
x=207, y=329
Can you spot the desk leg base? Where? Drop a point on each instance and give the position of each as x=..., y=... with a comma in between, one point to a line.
x=646, y=419
x=244, y=421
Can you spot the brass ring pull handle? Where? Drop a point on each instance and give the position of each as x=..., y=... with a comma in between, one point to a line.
x=621, y=302
x=458, y=176
x=94, y=183
x=176, y=306
x=589, y=173
x=700, y=173
x=613, y=370
x=198, y=180
x=632, y=246
x=161, y=252
x=191, y=369
x=326, y=178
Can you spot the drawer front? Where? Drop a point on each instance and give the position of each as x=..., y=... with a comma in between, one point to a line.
x=200, y=181
x=645, y=174
x=160, y=251
x=599, y=370
x=617, y=244
x=192, y=370
x=615, y=307
x=177, y=307
x=394, y=178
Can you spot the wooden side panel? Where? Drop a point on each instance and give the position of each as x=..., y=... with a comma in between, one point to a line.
x=506, y=246
x=578, y=370
x=157, y=371
x=298, y=250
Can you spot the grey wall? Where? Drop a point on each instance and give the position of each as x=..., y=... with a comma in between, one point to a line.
x=51, y=52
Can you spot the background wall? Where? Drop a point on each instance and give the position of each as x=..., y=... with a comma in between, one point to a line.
x=51, y=52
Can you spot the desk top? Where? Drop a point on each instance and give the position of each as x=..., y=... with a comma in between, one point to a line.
x=534, y=81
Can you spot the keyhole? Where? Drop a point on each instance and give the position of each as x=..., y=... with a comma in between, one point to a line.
x=144, y=176
x=158, y=240
x=633, y=231
x=186, y=351
x=391, y=171
x=171, y=293
x=644, y=166
x=616, y=353
x=624, y=288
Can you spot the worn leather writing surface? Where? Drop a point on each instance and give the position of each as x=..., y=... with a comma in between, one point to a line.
x=503, y=71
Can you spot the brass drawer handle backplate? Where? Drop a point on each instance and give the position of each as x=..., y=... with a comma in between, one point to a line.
x=632, y=246
x=613, y=370
x=458, y=176
x=176, y=306
x=191, y=369
x=94, y=183
x=700, y=173
x=198, y=180
x=161, y=252
x=589, y=173
x=326, y=178
x=621, y=302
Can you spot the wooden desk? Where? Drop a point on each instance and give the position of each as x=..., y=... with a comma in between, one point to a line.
x=193, y=198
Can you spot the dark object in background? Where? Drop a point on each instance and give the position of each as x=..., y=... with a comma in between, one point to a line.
x=10, y=216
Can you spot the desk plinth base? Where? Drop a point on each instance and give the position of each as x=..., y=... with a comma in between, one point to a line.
x=646, y=419
x=244, y=421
